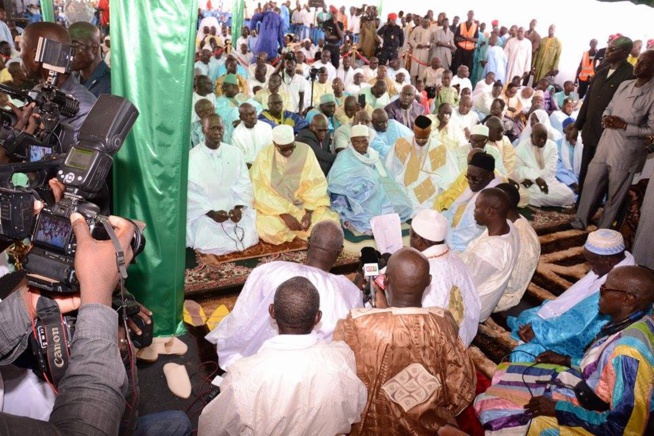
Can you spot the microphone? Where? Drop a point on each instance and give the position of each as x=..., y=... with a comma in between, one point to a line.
x=369, y=265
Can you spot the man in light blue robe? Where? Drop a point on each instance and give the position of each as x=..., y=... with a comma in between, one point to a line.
x=569, y=323
x=495, y=60
x=386, y=132
x=360, y=188
x=460, y=214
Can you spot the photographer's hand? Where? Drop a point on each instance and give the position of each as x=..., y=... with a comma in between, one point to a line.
x=22, y=113
x=58, y=189
x=145, y=314
x=95, y=261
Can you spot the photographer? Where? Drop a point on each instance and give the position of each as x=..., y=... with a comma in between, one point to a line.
x=65, y=83
x=91, y=394
x=333, y=36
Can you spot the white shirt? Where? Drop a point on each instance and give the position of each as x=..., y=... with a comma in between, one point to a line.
x=346, y=76
x=462, y=82
x=354, y=24
x=294, y=86
x=452, y=288
x=490, y=261
x=250, y=141
x=243, y=331
x=526, y=264
x=295, y=385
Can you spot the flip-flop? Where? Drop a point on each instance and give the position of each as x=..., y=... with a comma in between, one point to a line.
x=177, y=380
x=217, y=316
x=194, y=313
x=147, y=354
x=169, y=346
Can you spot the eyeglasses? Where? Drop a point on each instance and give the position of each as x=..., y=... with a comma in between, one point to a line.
x=474, y=178
x=603, y=290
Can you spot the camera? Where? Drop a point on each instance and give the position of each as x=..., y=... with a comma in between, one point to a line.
x=50, y=262
x=313, y=73
x=51, y=103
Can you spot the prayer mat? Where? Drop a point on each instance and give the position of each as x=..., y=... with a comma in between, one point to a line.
x=259, y=250
x=201, y=277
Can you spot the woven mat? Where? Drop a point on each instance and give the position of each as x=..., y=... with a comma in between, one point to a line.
x=259, y=250
x=212, y=276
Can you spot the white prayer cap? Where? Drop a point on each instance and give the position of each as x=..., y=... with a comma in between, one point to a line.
x=539, y=93
x=430, y=224
x=357, y=71
x=479, y=129
x=359, y=130
x=605, y=242
x=283, y=135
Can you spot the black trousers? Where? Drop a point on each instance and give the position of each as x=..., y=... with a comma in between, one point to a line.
x=462, y=57
x=583, y=87
x=335, y=50
x=387, y=55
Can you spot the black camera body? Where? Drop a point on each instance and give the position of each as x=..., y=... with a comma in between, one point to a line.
x=50, y=263
x=51, y=104
x=313, y=73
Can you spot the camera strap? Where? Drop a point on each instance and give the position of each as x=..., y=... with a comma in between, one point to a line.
x=120, y=255
x=51, y=340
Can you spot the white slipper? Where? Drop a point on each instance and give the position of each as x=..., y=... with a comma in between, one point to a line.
x=169, y=346
x=177, y=380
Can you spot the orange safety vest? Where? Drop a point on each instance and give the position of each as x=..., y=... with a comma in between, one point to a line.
x=469, y=33
x=587, y=68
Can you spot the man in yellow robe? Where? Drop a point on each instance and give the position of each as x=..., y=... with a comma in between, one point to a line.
x=290, y=189
x=546, y=62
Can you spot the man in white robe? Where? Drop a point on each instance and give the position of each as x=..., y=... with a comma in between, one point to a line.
x=220, y=216
x=250, y=135
x=360, y=187
x=518, y=56
x=326, y=62
x=370, y=71
x=247, y=327
x=451, y=285
x=422, y=164
x=464, y=116
x=460, y=203
x=496, y=60
x=528, y=255
x=296, y=384
x=491, y=257
x=420, y=40
x=536, y=170
x=451, y=134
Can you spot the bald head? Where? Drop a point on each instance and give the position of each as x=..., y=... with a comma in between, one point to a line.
x=319, y=121
x=296, y=306
x=327, y=236
x=623, y=43
x=86, y=32
x=362, y=117
x=407, y=277
x=497, y=200
x=46, y=30
x=635, y=279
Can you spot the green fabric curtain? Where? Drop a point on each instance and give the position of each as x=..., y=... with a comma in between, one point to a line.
x=153, y=43
x=47, y=10
x=237, y=21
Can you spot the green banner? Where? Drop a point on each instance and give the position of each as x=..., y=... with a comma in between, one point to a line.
x=237, y=21
x=47, y=10
x=152, y=56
